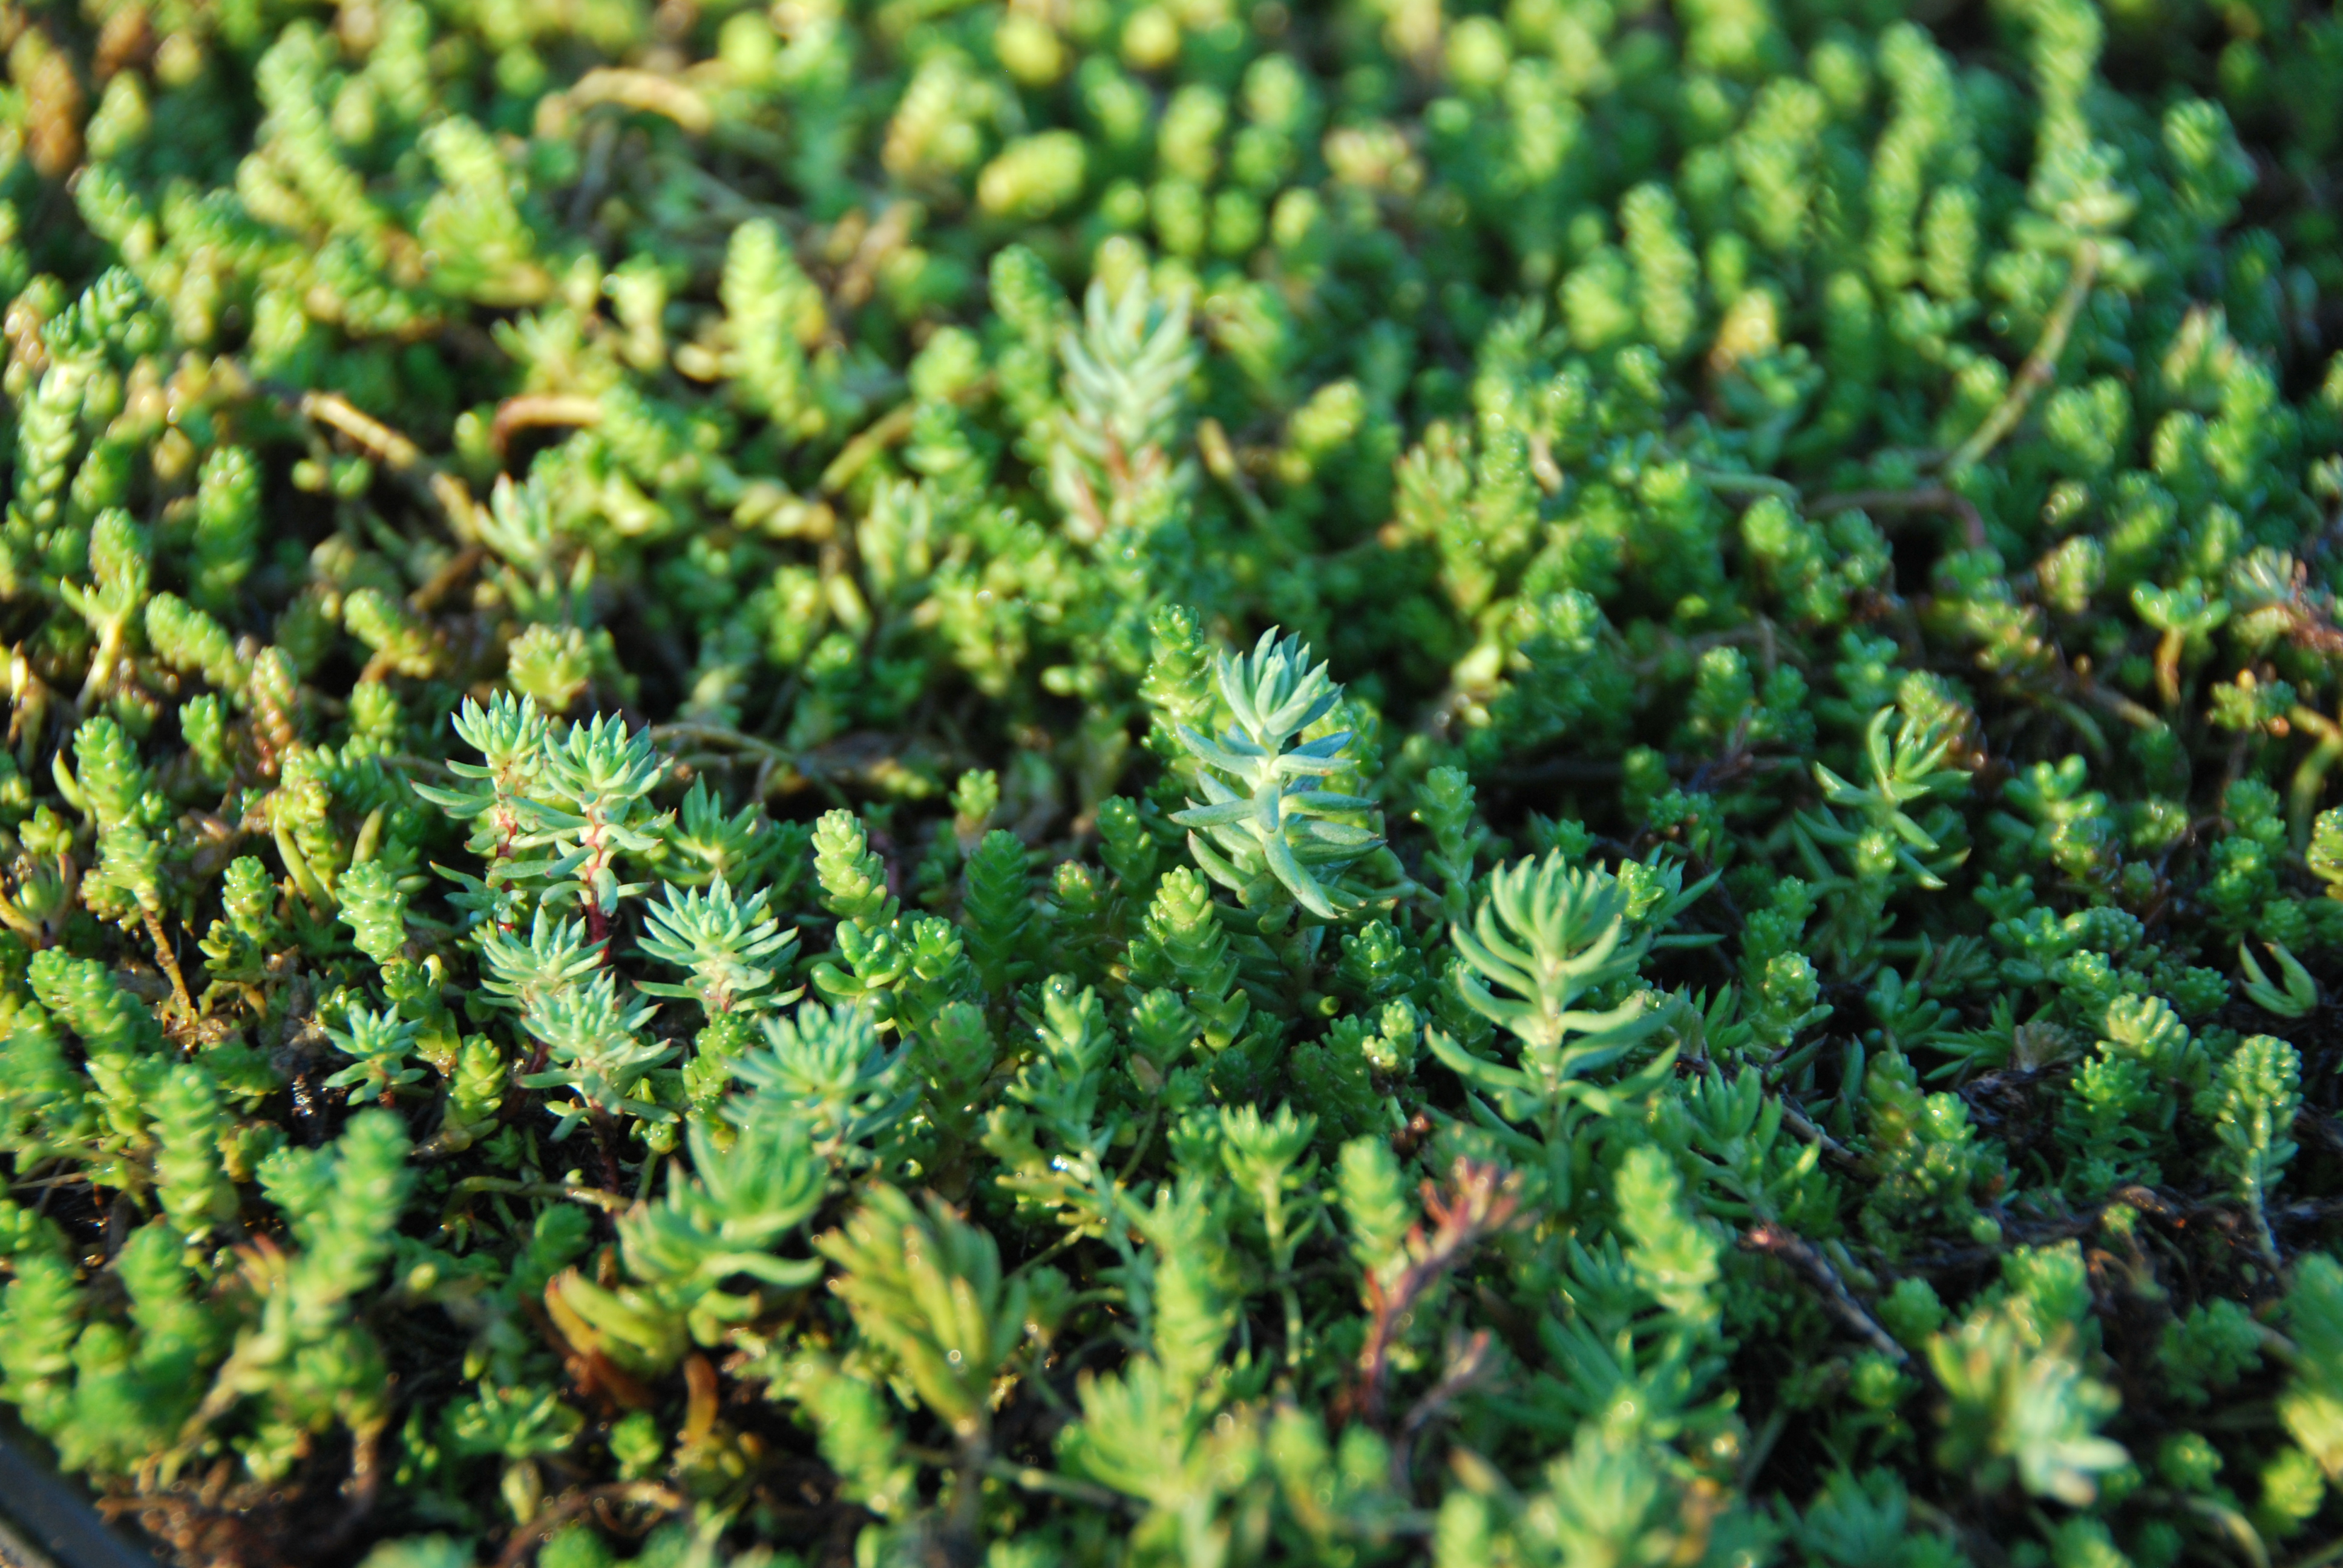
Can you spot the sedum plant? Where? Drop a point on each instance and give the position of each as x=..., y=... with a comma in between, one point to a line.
x=1265, y=829
x=1160, y=782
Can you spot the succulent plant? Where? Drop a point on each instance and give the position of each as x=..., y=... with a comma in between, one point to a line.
x=1146, y=781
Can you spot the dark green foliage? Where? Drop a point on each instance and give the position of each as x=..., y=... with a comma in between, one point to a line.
x=1149, y=781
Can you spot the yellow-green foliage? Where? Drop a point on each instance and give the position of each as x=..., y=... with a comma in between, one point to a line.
x=1140, y=782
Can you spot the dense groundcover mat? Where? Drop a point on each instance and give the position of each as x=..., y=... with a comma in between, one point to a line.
x=1094, y=783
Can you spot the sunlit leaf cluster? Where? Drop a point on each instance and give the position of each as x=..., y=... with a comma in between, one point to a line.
x=1127, y=783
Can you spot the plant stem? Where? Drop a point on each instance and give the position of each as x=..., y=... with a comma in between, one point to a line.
x=1810, y=1265
x=2040, y=368
x=2310, y=777
x=170, y=962
x=525, y=1539
x=609, y=1202
x=535, y=408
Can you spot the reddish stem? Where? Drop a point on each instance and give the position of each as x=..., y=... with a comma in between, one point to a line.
x=1479, y=1204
